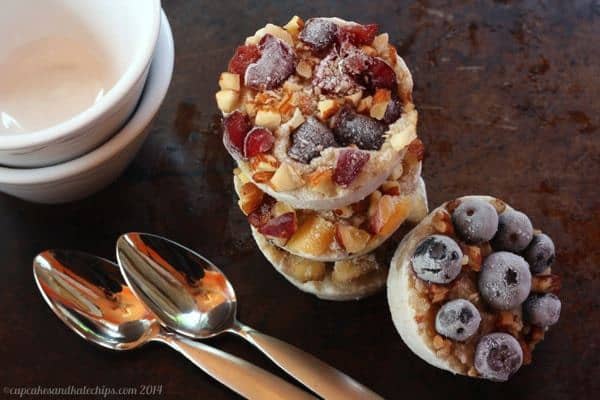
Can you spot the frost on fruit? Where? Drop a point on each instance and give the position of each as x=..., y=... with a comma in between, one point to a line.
x=275, y=65
x=243, y=56
x=309, y=140
x=318, y=33
x=358, y=34
x=360, y=130
x=258, y=140
x=235, y=128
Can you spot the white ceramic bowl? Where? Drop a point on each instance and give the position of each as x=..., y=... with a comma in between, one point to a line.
x=126, y=30
x=85, y=175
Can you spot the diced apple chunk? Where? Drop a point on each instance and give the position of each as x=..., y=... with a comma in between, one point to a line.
x=322, y=182
x=227, y=100
x=327, y=108
x=351, y=238
x=250, y=198
x=230, y=81
x=306, y=270
x=294, y=26
x=314, y=236
x=268, y=119
x=345, y=271
x=388, y=215
x=286, y=178
x=296, y=120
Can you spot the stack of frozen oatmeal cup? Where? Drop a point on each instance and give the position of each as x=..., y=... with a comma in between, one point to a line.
x=318, y=115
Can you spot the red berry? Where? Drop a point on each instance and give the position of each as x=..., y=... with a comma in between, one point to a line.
x=258, y=140
x=275, y=64
x=358, y=34
x=349, y=165
x=282, y=226
x=380, y=75
x=235, y=128
x=262, y=214
x=244, y=56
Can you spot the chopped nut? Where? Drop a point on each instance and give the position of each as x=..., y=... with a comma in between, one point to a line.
x=369, y=50
x=264, y=162
x=442, y=222
x=322, y=181
x=354, y=98
x=227, y=100
x=373, y=201
x=381, y=99
x=536, y=335
x=364, y=104
x=499, y=205
x=380, y=43
x=286, y=178
x=549, y=283
x=391, y=187
x=304, y=69
x=294, y=26
x=486, y=249
x=230, y=81
x=438, y=342
x=509, y=322
x=438, y=293
x=452, y=205
x=327, y=108
x=262, y=176
x=268, y=119
x=392, y=55
x=474, y=256
x=296, y=120
x=291, y=86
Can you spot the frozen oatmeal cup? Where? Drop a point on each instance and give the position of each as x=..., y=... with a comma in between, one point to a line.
x=317, y=113
x=471, y=290
x=332, y=235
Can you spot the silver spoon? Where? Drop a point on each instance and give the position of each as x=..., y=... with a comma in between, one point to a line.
x=89, y=295
x=192, y=296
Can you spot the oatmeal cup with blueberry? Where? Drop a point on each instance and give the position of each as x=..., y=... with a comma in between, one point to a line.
x=349, y=231
x=317, y=113
x=471, y=289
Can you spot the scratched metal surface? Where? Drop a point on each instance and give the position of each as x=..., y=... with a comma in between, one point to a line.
x=508, y=94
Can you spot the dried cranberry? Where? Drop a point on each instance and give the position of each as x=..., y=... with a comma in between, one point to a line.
x=318, y=33
x=258, y=140
x=235, y=128
x=360, y=130
x=282, y=226
x=358, y=34
x=275, y=64
x=243, y=56
x=349, y=165
x=309, y=140
x=354, y=61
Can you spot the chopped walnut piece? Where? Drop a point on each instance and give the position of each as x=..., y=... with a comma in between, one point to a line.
x=499, y=205
x=442, y=222
x=474, y=255
x=545, y=283
x=438, y=293
x=263, y=176
x=509, y=322
x=452, y=205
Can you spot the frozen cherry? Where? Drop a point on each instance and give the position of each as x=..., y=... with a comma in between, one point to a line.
x=358, y=34
x=542, y=309
x=457, y=319
x=275, y=64
x=258, y=140
x=331, y=77
x=353, y=60
x=475, y=220
x=393, y=111
x=318, y=33
x=514, y=231
x=504, y=281
x=262, y=214
x=437, y=259
x=540, y=253
x=235, y=128
x=380, y=75
x=498, y=356
x=243, y=56
x=353, y=128
x=282, y=226
x=309, y=140
x=349, y=165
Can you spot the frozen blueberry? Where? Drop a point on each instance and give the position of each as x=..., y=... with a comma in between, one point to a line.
x=498, y=356
x=353, y=128
x=318, y=33
x=514, y=231
x=504, y=280
x=309, y=140
x=540, y=253
x=457, y=319
x=541, y=309
x=437, y=259
x=475, y=220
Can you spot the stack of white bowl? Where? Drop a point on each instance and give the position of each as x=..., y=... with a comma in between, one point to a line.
x=79, y=156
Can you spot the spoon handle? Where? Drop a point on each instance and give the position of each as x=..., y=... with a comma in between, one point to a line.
x=322, y=378
x=240, y=376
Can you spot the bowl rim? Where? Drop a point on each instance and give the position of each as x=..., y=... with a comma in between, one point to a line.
x=65, y=129
x=155, y=91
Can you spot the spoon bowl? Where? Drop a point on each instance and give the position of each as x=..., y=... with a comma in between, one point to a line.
x=91, y=297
